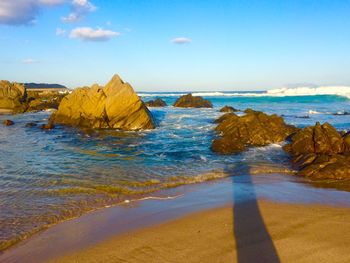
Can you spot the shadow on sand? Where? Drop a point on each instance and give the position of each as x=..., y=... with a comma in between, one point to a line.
x=253, y=242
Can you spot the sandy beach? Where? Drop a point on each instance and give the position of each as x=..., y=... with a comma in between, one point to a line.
x=287, y=233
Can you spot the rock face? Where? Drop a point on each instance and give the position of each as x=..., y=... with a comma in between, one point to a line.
x=228, y=109
x=253, y=129
x=156, y=103
x=189, y=101
x=12, y=96
x=321, y=152
x=115, y=105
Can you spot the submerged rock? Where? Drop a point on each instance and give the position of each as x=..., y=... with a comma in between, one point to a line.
x=48, y=126
x=30, y=124
x=8, y=122
x=320, y=151
x=253, y=129
x=189, y=101
x=12, y=96
x=115, y=105
x=228, y=109
x=156, y=103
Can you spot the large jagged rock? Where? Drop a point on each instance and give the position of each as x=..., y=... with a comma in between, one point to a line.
x=12, y=96
x=189, y=101
x=321, y=152
x=252, y=129
x=115, y=105
x=156, y=103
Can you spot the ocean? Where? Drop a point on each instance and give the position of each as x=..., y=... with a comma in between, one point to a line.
x=50, y=176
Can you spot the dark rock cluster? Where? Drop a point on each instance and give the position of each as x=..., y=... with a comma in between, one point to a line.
x=252, y=129
x=320, y=151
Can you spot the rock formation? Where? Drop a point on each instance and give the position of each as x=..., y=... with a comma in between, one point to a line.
x=12, y=96
x=189, y=101
x=228, y=109
x=252, y=129
x=115, y=105
x=17, y=99
x=321, y=152
x=156, y=103
x=43, y=101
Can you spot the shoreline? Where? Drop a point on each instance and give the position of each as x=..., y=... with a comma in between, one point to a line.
x=300, y=234
x=99, y=226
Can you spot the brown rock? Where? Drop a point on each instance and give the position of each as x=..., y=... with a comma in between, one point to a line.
x=12, y=96
x=156, y=103
x=228, y=109
x=253, y=129
x=115, y=105
x=189, y=101
x=48, y=126
x=8, y=122
x=321, y=152
x=45, y=101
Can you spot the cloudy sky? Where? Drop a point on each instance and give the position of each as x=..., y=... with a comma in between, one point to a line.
x=176, y=44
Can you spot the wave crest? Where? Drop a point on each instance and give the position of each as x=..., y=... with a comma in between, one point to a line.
x=343, y=91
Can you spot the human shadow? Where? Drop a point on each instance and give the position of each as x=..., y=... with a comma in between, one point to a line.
x=253, y=242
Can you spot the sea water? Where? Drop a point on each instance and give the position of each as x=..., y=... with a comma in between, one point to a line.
x=47, y=176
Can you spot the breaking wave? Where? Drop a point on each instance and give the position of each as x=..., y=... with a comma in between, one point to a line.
x=343, y=91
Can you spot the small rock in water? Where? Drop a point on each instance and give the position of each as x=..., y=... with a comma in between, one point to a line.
x=48, y=126
x=156, y=103
x=30, y=124
x=228, y=109
x=8, y=122
x=189, y=101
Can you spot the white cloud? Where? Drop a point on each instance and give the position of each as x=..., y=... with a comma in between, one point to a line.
x=20, y=12
x=181, y=40
x=90, y=34
x=60, y=32
x=80, y=8
x=30, y=61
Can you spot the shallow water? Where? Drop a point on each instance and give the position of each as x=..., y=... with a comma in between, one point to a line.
x=49, y=176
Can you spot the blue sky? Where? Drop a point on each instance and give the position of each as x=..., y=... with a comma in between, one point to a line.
x=176, y=45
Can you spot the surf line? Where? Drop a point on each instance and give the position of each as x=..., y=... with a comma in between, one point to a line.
x=153, y=198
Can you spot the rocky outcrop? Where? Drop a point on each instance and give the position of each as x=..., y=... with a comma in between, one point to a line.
x=252, y=129
x=12, y=96
x=16, y=98
x=115, y=105
x=156, y=103
x=189, y=101
x=228, y=109
x=43, y=101
x=321, y=152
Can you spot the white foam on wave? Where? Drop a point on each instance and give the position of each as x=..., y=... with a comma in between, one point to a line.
x=343, y=91
x=311, y=91
x=314, y=112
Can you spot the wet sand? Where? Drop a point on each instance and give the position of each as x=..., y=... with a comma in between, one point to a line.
x=295, y=233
